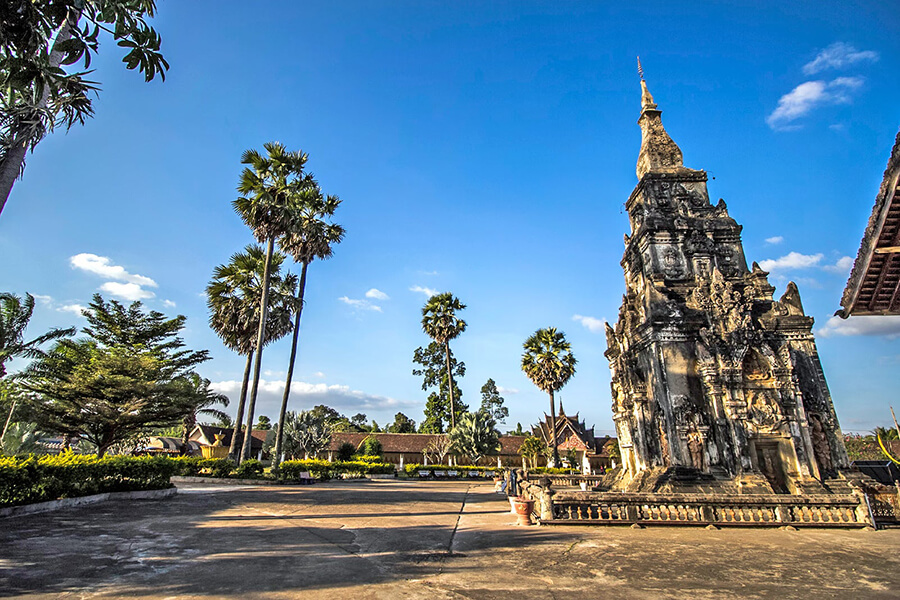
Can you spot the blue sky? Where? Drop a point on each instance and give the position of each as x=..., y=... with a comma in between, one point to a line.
x=485, y=149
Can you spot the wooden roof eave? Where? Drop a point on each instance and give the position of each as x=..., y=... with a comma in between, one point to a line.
x=886, y=196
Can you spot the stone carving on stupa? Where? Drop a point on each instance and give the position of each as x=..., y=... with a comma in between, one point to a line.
x=710, y=374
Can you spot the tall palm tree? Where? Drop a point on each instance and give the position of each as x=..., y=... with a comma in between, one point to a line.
x=269, y=188
x=440, y=323
x=14, y=317
x=233, y=297
x=204, y=401
x=549, y=363
x=311, y=237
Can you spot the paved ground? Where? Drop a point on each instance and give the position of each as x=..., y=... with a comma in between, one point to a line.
x=397, y=540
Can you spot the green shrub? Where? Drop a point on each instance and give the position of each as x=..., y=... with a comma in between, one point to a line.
x=462, y=470
x=250, y=468
x=370, y=447
x=346, y=451
x=290, y=470
x=369, y=458
x=39, y=479
x=187, y=466
x=216, y=467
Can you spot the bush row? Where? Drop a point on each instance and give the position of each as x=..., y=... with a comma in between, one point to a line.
x=322, y=469
x=39, y=479
x=462, y=470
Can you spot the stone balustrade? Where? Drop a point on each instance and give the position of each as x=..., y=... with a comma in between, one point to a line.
x=610, y=508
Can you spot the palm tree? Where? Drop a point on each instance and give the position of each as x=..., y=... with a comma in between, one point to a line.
x=269, y=188
x=204, y=402
x=549, y=363
x=14, y=317
x=233, y=297
x=311, y=237
x=440, y=323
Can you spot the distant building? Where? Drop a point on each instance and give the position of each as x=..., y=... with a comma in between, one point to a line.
x=593, y=453
x=408, y=448
x=205, y=435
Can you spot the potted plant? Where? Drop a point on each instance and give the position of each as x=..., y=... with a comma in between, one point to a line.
x=524, y=507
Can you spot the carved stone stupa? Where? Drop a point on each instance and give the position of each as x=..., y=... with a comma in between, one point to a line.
x=713, y=381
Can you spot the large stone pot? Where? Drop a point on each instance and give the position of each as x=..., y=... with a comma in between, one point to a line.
x=214, y=451
x=524, y=508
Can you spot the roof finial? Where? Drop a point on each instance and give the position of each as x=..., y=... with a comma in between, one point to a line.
x=646, y=96
x=640, y=69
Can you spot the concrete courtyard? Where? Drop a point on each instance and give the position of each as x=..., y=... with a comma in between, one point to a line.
x=397, y=539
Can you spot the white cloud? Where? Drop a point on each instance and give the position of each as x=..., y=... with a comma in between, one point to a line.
x=102, y=266
x=775, y=240
x=809, y=95
x=592, y=324
x=423, y=290
x=72, y=308
x=307, y=395
x=843, y=265
x=168, y=304
x=126, y=291
x=45, y=300
x=377, y=294
x=837, y=56
x=876, y=326
x=429, y=273
x=359, y=304
x=506, y=390
x=792, y=260
x=319, y=374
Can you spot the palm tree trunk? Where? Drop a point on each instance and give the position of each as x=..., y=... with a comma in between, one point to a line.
x=187, y=425
x=450, y=388
x=260, y=342
x=239, y=418
x=279, y=434
x=8, y=421
x=553, y=430
x=12, y=165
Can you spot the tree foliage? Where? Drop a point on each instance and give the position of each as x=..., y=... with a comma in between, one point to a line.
x=15, y=313
x=475, y=435
x=131, y=373
x=492, y=402
x=402, y=424
x=39, y=41
x=305, y=434
x=440, y=323
x=433, y=370
x=531, y=449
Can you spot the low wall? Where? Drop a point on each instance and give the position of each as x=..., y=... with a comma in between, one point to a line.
x=39, y=507
x=613, y=508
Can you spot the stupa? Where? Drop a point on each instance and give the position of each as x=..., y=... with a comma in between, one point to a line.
x=716, y=385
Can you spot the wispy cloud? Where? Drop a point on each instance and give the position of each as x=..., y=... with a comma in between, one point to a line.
x=104, y=267
x=506, y=390
x=377, y=294
x=592, y=324
x=423, y=290
x=126, y=291
x=359, y=304
x=75, y=309
x=124, y=285
x=775, y=240
x=838, y=55
x=888, y=326
x=810, y=95
x=792, y=260
x=340, y=397
x=843, y=265
x=168, y=304
x=43, y=299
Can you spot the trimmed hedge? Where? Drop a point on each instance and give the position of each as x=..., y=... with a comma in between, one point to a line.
x=462, y=470
x=68, y=475
x=290, y=470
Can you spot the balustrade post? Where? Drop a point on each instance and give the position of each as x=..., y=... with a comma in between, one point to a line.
x=546, y=499
x=707, y=513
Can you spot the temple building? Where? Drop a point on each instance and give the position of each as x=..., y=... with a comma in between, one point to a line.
x=715, y=384
x=593, y=454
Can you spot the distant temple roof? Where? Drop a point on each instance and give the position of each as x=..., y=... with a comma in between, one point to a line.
x=874, y=284
x=573, y=434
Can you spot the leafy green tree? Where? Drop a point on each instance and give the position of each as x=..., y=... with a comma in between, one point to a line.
x=360, y=422
x=402, y=424
x=311, y=236
x=433, y=370
x=263, y=423
x=532, y=448
x=305, y=434
x=549, y=363
x=440, y=323
x=233, y=297
x=492, y=402
x=475, y=436
x=22, y=439
x=39, y=39
x=204, y=401
x=129, y=375
x=370, y=447
x=272, y=187
x=517, y=431
x=15, y=314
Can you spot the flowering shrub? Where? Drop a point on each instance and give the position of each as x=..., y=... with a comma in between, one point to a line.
x=24, y=480
x=250, y=468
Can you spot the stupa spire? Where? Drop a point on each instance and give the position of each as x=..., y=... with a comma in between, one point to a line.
x=659, y=153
